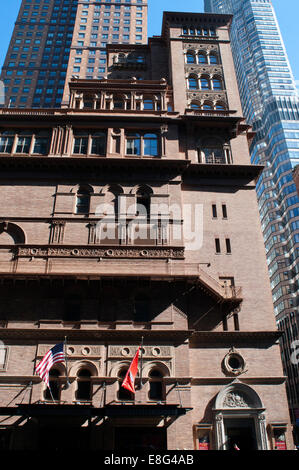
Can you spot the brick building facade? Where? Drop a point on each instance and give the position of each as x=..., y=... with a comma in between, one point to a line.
x=130, y=214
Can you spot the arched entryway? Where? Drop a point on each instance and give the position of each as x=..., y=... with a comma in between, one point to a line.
x=239, y=419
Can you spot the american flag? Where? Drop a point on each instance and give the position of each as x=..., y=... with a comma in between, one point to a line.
x=53, y=356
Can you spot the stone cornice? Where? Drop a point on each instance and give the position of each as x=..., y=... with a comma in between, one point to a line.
x=102, y=166
x=57, y=334
x=196, y=338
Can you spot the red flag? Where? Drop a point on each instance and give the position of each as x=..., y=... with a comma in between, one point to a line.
x=129, y=380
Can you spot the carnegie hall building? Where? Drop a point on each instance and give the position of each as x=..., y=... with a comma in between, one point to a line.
x=129, y=216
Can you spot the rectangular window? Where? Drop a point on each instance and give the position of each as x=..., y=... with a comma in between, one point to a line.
x=23, y=145
x=224, y=211
x=133, y=144
x=217, y=245
x=6, y=143
x=80, y=145
x=228, y=246
x=98, y=144
x=41, y=145
x=150, y=145
x=214, y=211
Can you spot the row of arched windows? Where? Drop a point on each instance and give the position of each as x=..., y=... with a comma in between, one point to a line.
x=84, y=389
x=208, y=105
x=120, y=101
x=143, y=199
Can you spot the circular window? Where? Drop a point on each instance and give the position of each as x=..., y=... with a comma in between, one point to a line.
x=156, y=351
x=125, y=351
x=86, y=351
x=233, y=363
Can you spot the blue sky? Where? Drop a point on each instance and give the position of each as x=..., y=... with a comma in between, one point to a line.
x=287, y=12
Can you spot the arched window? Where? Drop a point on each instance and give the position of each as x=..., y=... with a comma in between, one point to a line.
x=207, y=105
x=195, y=105
x=217, y=84
x=13, y=231
x=143, y=201
x=213, y=59
x=156, y=389
x=190, y=58
x=204, y=83
x=118, y=102
x=54, y=385
x=123, y=393
x=148, y=104
x=212, y=152
x=112, y=197
x=192, y=83
x=83, y=199
x=150, y=145
x=202, y=59
x=220, y=106
x=84, y=389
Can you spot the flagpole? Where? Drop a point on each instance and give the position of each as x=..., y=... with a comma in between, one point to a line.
x=51, y=393
x=141, y=362
x=66, y=364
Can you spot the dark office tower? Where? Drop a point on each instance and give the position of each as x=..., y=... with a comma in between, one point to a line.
x=55, y=39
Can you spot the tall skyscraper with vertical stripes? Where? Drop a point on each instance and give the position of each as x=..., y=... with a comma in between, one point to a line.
x=56, y=39
x=271, y=105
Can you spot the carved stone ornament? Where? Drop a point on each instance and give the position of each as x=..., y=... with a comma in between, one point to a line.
x=149, y=352
x=235, y=400
x=204, y=68
x=73, y=252
x=208, y=96
x=233, y=363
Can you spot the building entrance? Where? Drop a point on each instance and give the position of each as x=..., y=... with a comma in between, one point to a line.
x=132, y=439
x=240, y=432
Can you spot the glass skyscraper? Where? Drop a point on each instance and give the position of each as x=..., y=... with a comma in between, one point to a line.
x=271, y=105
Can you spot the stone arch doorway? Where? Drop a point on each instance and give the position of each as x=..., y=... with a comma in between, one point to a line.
x=239, y=419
